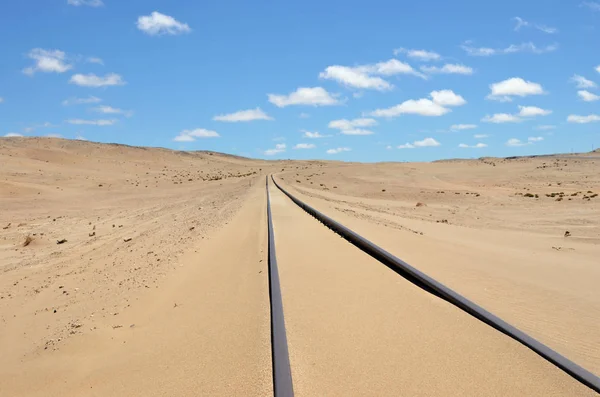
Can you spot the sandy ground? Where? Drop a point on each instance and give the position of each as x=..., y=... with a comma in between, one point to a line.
x=355, y=328
x=161, y=288
x=476, y=232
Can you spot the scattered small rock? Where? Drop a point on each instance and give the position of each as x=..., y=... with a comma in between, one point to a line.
x=567, y=233
x=27, y=241
x=92, y=234
x=61, y=241
x=127, y=240
x=7, y=226
x=419, y=204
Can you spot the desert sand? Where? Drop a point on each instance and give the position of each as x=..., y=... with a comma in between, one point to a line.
x=159, y=285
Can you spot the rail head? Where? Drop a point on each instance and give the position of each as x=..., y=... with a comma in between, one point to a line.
x=440, y=290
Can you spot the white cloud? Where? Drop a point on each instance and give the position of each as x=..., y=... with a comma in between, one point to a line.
x=279, y=148
x=157, y=24
x=511, y=49
x=97, y=60
x=447, y=98
x=515, y=142
x=191, y=135
x=427, y=142
x=460, y=127
x=80, y=138
x=514, y=86
x=368, y=76
x=587, y=96
x=12, y=135
x=344, y=124
x=90, y=3
x=352, y=77
x=406, y=146
x=91, y=122
x=598, y=68
x=421, y=55
x=521, y=23
x=356, y=131
x=314, y=135
x=533, y=111
x=316, y=96
x=592, y=5
x=243, y=115
x=448, y=68
x=81, y=101
x=480, y=136
x=501, y=118
x=338, y=150
x=304, y=115
x=582, y=82
x=111, y=110
x=304, y=146
x=424, y=107
x=545, y=127
x=1, y=99
x=47, y=61
x=91, y=80
x=476, y=146
x=573, y=118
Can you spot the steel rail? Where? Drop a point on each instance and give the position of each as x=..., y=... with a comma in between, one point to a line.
x=438, y=289
x=282, y=374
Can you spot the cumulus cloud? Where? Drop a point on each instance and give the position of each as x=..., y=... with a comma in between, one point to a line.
x=356, y=131
x=476, y=146
x=517, y=142
x=448, y=68
x=501, y=118
x=521, y=23
x=191, y=135
x=582, y=82
x=81, y=101
x=243, y=115
x=12, y=135
x=344, y=124
x=91, y=80
x=406, y=146
x=338, y=150
x=368, y=76
x=90, y=3
x=447, y=98
x=511, y=49
x=279, y=148
x=80, y=138
x=314, y=135
x=460, y=127
x=515, y=86
x=47, y=61
x=587, y=96
x=101, y=123
x=573, y=118
x=427, y=142
x=480, y=136
x=420, y=55
x=111, y=110
x=304, y=146
x=437, y=106
x=533, y=111
x=316, y=96
x=598, y=68
x=157, y=24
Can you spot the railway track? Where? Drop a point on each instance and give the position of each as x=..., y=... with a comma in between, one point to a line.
x=282, y=373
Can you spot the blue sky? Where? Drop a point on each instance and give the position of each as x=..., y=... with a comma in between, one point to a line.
x=346, y=80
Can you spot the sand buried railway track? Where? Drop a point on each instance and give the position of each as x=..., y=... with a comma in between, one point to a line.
x=434, y=287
